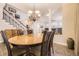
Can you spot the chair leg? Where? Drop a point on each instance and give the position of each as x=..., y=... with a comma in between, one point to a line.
x=49, y=51
x=52, y=49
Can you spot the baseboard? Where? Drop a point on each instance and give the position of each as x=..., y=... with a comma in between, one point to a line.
x=64, y=44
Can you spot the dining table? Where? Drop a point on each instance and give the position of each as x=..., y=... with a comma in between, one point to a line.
x=27, y=40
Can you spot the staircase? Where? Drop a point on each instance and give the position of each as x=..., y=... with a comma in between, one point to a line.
x=9, y=13
x=5, y=25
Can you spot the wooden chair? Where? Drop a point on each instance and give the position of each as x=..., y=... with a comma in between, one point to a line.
x=20, y=32
x=12, y=51
x=51, y=41
x=42, y=50
x=13, y=32
x=45, y=45
x=8, y=33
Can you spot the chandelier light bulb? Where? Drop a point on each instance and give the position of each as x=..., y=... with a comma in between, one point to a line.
x=37, y=11
x=30, y=12
x=39, y=15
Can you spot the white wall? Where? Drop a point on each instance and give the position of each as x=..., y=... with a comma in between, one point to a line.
x=69, y=17
x=70, y=26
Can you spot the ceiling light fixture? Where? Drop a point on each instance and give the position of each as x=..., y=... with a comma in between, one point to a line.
x=34, y=14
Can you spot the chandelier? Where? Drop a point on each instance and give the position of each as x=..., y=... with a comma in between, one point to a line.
x=34, y=14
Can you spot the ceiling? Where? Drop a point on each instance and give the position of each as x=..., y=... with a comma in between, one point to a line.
x=42, y=7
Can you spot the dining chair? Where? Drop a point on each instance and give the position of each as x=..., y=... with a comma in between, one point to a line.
x=12, y=51
x=38, y=50
x=8, y=33
x=45, y=45
x=20, y=32
x=51, y=37
x=13, y=32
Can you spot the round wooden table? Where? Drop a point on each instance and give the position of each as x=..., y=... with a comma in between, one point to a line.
x=26, y=39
